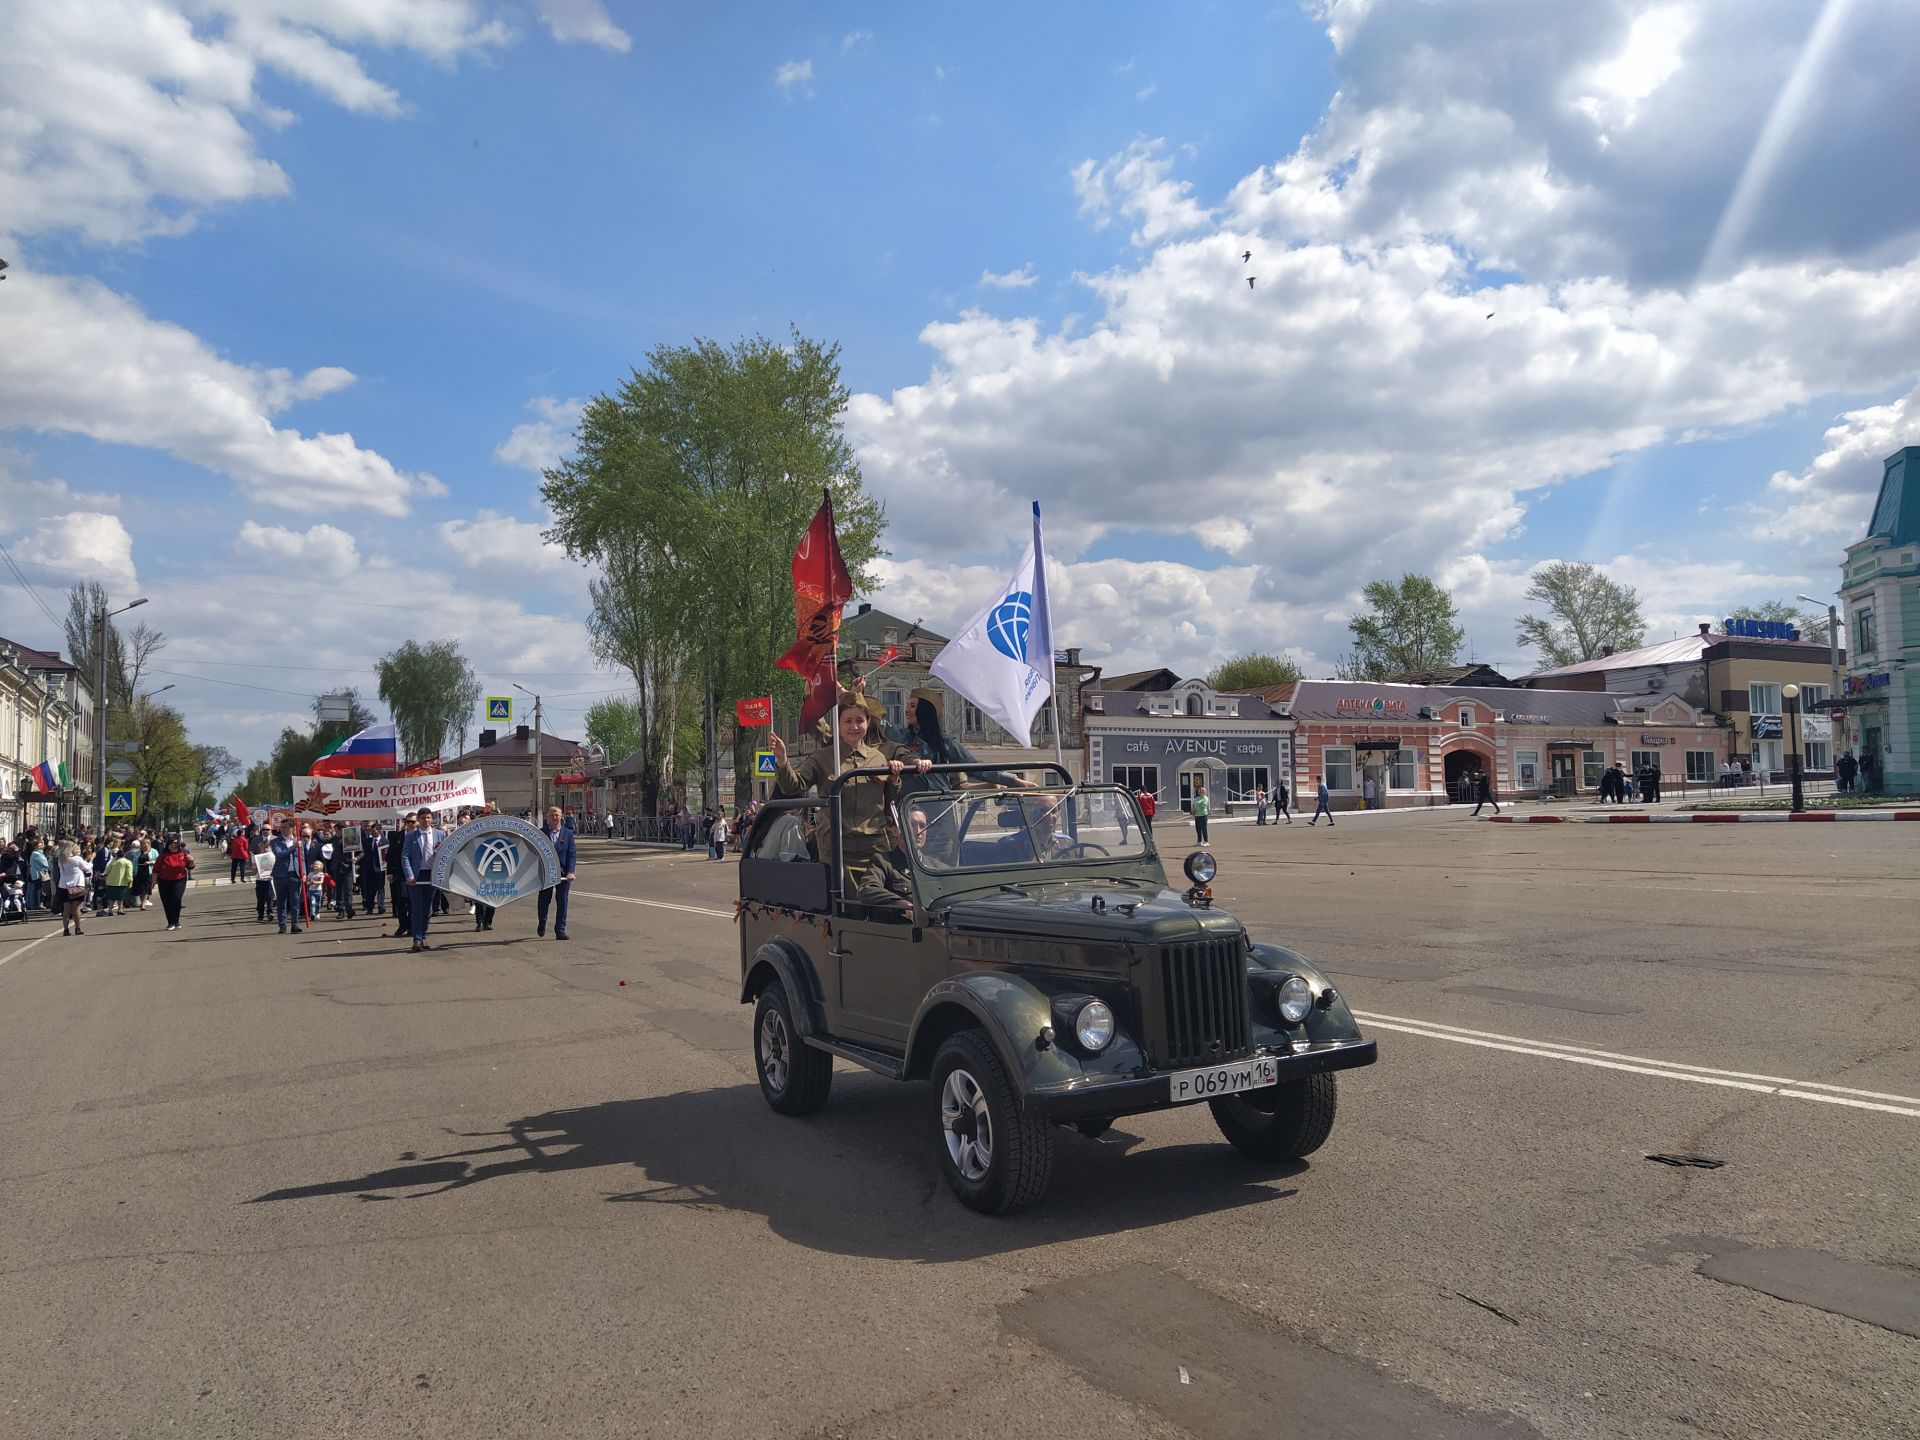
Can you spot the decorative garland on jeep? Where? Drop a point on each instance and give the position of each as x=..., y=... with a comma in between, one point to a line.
x=757, y=911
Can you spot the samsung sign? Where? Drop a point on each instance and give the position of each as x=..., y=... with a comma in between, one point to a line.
x=1746, y=628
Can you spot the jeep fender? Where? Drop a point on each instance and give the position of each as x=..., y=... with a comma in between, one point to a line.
x=787, y=962
x=1011, y=1010
x=1326, y=1022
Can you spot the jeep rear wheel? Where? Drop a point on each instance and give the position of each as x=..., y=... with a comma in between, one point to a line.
x=996, y=1157
x=794, y=1076
x=1285, y=1122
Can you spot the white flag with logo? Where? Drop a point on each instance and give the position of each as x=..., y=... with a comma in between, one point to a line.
x=1003, y=659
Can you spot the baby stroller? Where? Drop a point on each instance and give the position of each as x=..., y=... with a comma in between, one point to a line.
x=13, y=901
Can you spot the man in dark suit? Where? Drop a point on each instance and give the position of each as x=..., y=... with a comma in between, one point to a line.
x=562, y=838
x=416, y=863
x=373, y=897
x=397, y=882
x=289, y=877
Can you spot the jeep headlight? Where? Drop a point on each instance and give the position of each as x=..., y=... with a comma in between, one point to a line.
x=1201, y=868
x=1296, y=1000
x=1093, y=1026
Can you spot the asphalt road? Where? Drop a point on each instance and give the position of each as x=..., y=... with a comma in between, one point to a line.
x=257, y=1185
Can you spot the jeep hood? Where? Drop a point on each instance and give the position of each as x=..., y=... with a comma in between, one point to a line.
x=1067, y=910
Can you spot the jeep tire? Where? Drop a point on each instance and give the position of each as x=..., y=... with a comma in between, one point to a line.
x=1287, y=1122
x=794, y=1076
x=996, y=1156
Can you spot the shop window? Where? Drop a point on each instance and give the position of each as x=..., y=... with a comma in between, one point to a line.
x=1593, y=764
x=1813, y=698
x=1337, y=765
x=1466, y=717
x=1703, y=767
x=1138, y=777
x=1243, y=780
x=1404, y=773
x=1526, y=769
x=1763, y=698
x=1816, y=755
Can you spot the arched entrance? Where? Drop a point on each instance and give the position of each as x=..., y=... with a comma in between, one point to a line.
x=1461, y=765
x=1208, y=773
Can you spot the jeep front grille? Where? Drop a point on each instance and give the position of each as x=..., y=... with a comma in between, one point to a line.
x=1204, y=991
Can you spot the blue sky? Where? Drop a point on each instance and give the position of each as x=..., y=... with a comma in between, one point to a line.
x=432, y=228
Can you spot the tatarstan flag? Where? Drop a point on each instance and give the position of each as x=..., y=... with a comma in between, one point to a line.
x=821, y=586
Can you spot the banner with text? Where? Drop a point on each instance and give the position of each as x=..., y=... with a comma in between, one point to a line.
x=325, y=797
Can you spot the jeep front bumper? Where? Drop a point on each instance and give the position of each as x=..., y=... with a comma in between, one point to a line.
x=1104, y=1096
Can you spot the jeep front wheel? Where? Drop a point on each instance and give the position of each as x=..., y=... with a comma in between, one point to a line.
x=996, y=1156
x=794, y=1076
x=1285, y=1122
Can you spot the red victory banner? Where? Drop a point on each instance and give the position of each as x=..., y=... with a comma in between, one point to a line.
x=748, y=714
x=821, y=586
x=424, y=767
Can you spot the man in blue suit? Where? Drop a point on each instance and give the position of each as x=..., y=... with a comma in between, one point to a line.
x=289, y=876
x=416, y=868
x=562, y=838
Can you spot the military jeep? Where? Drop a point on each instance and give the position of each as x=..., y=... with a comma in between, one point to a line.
x=1039, y=970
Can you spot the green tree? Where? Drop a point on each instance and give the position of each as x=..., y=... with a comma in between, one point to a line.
x=431, y=690
x=1250, y=672
x=688, y=488
x=1411, y=625
x=257, y=786
x=614, y=725
x=1587, y=614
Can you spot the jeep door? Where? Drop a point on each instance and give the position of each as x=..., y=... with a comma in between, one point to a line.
x=885, y=969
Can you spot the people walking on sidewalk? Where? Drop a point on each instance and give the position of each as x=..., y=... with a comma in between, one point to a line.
x=119, y=879
x=171, y=875
x=1281, y=797
x=1259, y=805
x=1147, y=807
x=1322, y=808
x=1483, y=792
x=239, y=856
x=76, y=878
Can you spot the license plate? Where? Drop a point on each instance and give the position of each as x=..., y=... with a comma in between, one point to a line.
x=1186, y=1086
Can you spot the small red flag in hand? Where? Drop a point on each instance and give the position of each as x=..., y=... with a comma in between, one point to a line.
x=821, y=586
x=757, y=711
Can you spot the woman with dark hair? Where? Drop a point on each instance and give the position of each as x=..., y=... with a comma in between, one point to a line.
x=175, y=866
x=927, y=739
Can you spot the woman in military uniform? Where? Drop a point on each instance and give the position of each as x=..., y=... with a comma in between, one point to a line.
x=863, y=802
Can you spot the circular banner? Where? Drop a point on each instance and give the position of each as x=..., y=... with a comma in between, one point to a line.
x=496, y=860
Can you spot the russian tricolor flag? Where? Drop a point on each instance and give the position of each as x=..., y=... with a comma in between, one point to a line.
x=49, y=777
x=374, y=748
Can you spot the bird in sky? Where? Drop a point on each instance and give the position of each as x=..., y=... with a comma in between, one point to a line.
x=1490, y=314
x=1250, y=280
x=1245, y=255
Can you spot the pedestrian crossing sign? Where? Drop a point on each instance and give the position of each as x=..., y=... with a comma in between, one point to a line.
x=500, y=707
x=763, y=763
x=120, y=800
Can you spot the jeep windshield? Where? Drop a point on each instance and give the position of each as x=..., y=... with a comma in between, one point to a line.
x=962, y=830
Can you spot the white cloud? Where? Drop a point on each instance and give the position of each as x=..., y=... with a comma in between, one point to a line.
x=84, y=360
x=505, y=548
x=128, y=118
x=322, y=552
x=856, y=43
x=1136, y=183
x=1833, y=496
x=1146, y=92
x=78, y=547
x=795, y=77
x=1010, y=279
x=539, y=445
x=583, y=20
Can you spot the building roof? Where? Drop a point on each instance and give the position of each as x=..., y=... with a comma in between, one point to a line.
x=868, y=624
x=1684, y=651
x=1476, y=674
x=1161, y=679
x=1246, y=704
x=1320, y=700
x=1896, y=513
x=515, y=742
x=39, y=659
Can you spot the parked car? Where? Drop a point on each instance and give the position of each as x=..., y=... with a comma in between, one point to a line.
x=1040, y=971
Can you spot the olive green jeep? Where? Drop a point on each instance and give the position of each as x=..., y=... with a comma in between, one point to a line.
x=1032, y=962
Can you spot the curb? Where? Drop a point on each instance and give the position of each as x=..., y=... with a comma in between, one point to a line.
x=1738, y=817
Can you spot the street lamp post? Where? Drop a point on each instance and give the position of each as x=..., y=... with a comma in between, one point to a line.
x=1833, y=662
x=100, y=703
x=1791, y=694
x=533, y=749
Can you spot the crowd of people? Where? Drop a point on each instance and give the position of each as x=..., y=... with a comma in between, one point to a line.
x=93, y=876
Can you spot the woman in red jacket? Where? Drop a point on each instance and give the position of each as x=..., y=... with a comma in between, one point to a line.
x=172, y=872
x=239, y=857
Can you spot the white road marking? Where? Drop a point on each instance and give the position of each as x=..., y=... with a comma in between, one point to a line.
x=1642, y=1065
x=26, y=947
x=1777, y=1085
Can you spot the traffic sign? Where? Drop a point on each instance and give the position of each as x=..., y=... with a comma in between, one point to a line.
x=500, y=708
x=123, y=747
x=120, y=770
x=1837, y=716
x=763, y=763
x=120, y=801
